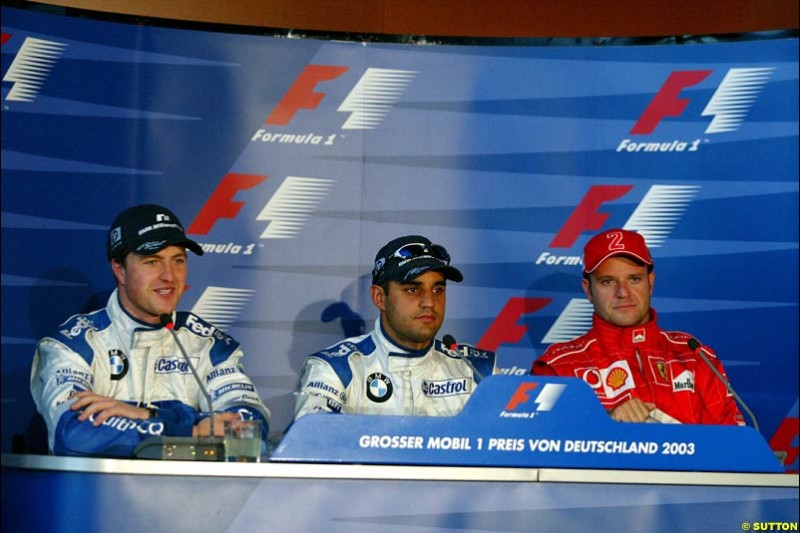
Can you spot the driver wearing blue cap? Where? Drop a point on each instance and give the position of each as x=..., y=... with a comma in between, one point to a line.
x=399, y=368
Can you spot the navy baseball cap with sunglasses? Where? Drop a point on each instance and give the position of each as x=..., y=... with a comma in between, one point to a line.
x=406, y=258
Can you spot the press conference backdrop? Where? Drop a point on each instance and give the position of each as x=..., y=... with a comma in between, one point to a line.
x=293, y=160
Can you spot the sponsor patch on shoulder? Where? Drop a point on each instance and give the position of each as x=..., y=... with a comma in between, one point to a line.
x=78, y=326
x=465, y=350
x=340, y=350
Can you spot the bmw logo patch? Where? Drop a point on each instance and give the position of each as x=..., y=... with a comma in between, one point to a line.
x=118, y=362
x=379, y=387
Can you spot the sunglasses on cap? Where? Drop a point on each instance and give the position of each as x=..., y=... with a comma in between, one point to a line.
x=410, y=251
x=419, y=249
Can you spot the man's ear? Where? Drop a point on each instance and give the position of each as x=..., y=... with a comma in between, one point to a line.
x=378, y=297
x=587, y=289
x=119, y=271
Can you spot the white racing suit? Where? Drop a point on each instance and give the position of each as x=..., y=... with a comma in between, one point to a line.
x=111, y=353
x=372, y=375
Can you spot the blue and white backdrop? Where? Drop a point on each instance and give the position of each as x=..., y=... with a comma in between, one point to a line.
x=293, y=160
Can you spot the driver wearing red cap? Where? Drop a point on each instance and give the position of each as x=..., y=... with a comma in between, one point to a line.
x=638, y=371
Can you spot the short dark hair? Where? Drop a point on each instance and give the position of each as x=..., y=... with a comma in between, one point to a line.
x=384, y=285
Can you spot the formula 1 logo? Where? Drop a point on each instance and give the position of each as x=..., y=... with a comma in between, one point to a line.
x=574, y=321
x=367, y=104
x=31, y=67
x=784, y=440
x=222, y=305
x=286, y=212
x=654, y=218
x=728, y=106
x=656, y=215
x=545, y=400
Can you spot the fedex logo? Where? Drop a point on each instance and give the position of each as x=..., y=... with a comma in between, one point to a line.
x=286, y=212
x=544, y=400
x=368, y=103
x=728, y=105
x=31, y=67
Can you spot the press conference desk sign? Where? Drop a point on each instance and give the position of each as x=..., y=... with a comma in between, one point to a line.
x=526, y=421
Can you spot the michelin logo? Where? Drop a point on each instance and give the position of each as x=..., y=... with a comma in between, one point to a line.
x=233, y=387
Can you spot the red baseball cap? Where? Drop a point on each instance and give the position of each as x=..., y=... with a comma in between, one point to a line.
x=612, y=243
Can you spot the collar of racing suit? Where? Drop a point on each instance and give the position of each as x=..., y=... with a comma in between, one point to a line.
x=392, y=347
x=627, y=337
x=134, y=333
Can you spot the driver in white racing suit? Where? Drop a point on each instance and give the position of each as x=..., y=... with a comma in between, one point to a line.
x=399, y=368
x=107, y=380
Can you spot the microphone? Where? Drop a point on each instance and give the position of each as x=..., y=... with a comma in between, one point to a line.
x=211, y=448
x=451, y=344
x=697, y=348
x=166, y=321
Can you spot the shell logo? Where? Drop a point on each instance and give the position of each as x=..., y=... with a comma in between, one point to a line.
x=616, y=378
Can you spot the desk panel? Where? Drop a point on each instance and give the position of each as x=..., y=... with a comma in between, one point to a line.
x=44, y=493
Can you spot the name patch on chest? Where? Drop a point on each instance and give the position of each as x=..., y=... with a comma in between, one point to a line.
x=450, y=387
x=171, y=365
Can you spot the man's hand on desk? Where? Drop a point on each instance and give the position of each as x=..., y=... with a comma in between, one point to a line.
x=634, y=410
x=203, y=428
x=103, y=408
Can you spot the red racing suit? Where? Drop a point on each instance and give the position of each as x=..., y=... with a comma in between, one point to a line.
x=648, y=363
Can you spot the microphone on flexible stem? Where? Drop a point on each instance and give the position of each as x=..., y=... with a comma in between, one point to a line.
x=450, y=342
x=211, y=448
x=166, y=321
x=697, y=348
